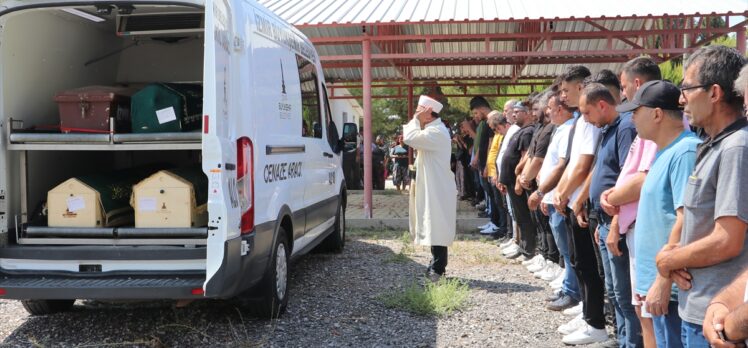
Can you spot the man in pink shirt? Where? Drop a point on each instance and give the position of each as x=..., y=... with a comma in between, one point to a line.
x=622, y=201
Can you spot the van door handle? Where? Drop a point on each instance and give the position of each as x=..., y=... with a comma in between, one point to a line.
x=327, y=154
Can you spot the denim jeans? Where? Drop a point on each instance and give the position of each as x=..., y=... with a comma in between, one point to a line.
x=558, y=227
x=667, y=328
x=618, y=286
x=692, y=335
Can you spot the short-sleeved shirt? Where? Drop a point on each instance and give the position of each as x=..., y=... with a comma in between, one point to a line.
x=513, y=129
x=584, y=142
x=611, y=155
x=519, y=142
x=556, y=151
x=640, y=158
x=400, y=150
x=541, y=139
x=662, y=195
x=718, y=187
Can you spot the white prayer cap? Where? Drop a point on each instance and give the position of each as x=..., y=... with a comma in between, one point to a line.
x=430, y=102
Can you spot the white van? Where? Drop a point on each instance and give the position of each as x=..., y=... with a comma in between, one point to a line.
x=268, y=145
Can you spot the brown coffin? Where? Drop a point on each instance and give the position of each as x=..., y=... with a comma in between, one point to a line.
x=89, y=109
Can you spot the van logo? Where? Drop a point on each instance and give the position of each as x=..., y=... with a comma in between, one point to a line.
x=284, y=107
x=283, y=80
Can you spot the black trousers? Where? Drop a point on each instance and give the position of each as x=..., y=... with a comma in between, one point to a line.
x=525, y=225
x=548, y=247
x=438, y=259
x=584, y=261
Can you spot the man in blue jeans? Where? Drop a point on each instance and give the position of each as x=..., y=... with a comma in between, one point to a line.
x=550, y=173
x=713, y=248
x=598, y=102
x=660, y=214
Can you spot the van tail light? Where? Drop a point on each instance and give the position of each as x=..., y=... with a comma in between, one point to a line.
x=245, y=182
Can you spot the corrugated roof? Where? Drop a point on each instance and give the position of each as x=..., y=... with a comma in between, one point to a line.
x=322, y=12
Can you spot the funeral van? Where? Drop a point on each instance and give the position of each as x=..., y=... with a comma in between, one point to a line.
x=179, y=149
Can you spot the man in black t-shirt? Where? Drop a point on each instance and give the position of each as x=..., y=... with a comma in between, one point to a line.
x=517, y=148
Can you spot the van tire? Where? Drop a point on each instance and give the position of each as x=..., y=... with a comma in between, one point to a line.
x=273, y=288
x=45, y=307
x=335, y=242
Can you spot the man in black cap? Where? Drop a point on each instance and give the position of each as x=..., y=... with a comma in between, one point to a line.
x=657, y=117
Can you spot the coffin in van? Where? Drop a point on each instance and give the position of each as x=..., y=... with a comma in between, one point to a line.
x=90, y=109
x=99, y=200
x=172, y=198
x=167, y=107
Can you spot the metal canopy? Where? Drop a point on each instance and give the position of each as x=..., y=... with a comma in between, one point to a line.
x=505, y=41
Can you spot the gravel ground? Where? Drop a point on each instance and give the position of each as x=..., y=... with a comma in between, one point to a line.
x=334, y=302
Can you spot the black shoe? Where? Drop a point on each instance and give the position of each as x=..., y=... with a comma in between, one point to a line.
x=562, y=303
x=497, y=235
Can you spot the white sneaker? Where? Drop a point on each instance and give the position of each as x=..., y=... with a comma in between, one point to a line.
x=537, y=267
x=489, y=230
x=506, y=244
x=538, y=261
x=532, y=260
x=572, y=325
x=483, y=227
x=539, y=273
x=573, y=311
x=510, y=246
x=586, y=335
x=521, y=258
x=560, y=272
x=510, y=249
x=558, y=282
x=551, y=273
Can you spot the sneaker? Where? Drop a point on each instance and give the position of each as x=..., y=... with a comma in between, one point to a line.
x=483, y=227
x=506, y=243
x=532, y=260
x=517, y=253
x=572, y=325
x=510, y=249
x=481, y=206
x=586, y=335
x=544, y=270
x=554, y=296
x=562, y=303
x=551, y=274
x=537, y=267
x=489, y=230
x=521, y=258
x=538, y=261
x=573, y=311
x=558, y=282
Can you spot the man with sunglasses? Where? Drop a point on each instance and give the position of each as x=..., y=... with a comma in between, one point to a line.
x=712, y=249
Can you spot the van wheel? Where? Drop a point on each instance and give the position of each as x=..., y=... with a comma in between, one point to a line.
x=335, y=242
x=44, y=307
x=273, y=289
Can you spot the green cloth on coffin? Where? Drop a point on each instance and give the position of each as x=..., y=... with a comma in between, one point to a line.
x=198, y=179
x=167, y=107
x=115, y=189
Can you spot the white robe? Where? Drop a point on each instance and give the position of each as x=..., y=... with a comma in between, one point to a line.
x=433, y=198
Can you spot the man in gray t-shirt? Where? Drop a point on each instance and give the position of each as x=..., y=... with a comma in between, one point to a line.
x=713, y=249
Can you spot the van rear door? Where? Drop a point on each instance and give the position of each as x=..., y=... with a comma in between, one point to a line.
x=219, y=147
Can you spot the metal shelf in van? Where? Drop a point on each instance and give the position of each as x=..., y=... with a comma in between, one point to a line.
x=104, y=142
x=113, y=235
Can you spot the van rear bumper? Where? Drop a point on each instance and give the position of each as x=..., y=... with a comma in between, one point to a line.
x=39, y=287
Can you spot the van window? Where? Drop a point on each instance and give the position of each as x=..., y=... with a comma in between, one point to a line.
x=311, y=123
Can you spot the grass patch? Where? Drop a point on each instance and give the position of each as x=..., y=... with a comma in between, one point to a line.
x=441, y=298
x=400, y=257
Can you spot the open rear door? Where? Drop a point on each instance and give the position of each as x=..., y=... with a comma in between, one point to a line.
x=219, y=151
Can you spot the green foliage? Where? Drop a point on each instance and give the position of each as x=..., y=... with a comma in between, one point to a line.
x=672, y=71
x=441, y=298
